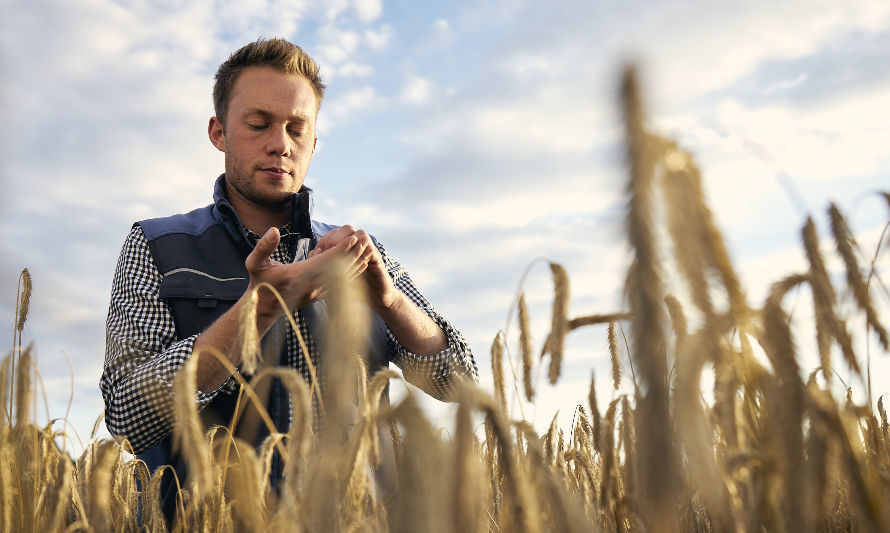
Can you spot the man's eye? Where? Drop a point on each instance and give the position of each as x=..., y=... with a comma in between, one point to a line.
x=256, y=127
x=296, y=132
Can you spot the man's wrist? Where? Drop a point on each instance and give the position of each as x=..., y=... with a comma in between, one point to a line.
x=389, y=303
x=265, y=312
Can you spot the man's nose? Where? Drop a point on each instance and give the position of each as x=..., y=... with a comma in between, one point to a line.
x=278, y=142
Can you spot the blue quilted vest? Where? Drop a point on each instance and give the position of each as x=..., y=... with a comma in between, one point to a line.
x=201, y=256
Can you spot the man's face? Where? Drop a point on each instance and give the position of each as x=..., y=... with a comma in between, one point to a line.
x=269, y=135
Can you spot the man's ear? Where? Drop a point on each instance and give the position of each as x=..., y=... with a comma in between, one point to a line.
x=217, y=134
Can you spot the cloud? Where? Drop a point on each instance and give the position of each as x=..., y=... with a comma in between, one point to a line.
x=846, y=133
x=740, y=41
x=784, y=85
x=336, y=44
x=417, y=91
x=379, y=38
x=368, y=10
x=335, y=8
x=354, y=69
x=443, y=31
x=344, y=106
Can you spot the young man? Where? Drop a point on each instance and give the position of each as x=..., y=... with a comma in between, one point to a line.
x=181, y=281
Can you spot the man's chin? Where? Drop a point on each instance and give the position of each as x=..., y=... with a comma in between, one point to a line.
x=273, y=201
x=263, y=198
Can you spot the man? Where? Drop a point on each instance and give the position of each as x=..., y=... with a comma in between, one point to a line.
x=182, y=281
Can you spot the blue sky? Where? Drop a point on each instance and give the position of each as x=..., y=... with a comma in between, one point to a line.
x=469, y=137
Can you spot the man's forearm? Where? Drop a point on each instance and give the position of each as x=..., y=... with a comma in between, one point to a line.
x=413, y=328
x=223, y=335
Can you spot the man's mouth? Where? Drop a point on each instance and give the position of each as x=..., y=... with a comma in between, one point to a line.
x=275, y=170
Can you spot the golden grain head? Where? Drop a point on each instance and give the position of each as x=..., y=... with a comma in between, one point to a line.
x=525, y=349
x=559, y=319
x=249, y=336
x=24, y=301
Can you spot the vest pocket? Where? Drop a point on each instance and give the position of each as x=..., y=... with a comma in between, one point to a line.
x=197, y=299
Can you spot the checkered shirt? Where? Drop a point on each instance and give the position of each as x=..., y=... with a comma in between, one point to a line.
x=143, y=353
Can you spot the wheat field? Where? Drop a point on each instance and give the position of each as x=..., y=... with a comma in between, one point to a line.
x=766, y=445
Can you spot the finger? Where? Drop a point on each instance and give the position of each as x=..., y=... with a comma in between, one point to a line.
x=358, y=266
x=343, y=250
x=355, y=254
x=315, y=251
x=334, y=236
x=362, y=267
x=263, y=249
x=366, y=240
x=367, y=255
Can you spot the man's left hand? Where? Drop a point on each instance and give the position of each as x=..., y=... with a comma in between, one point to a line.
x=381, y=291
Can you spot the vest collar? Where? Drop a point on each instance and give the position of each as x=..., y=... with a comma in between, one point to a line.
x=301, y=212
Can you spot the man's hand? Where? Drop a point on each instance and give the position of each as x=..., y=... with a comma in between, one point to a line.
x=416, y=331
x=301, y=282
x=382, y=294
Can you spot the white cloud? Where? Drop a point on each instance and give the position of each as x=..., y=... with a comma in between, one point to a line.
x=368, y=10
x=339, y=47
x=443, y=31
x=784, y=85
x=702, y=47
x=337, y=44
x=342, y=107
x=335, y=8
x=781, y=156
x=548, y=121
x=518, y=207
x=379, y=38
x=534, y=127
x=246, y=21
x=417, y=91
x=352, y=69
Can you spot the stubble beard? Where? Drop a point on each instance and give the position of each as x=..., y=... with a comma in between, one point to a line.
x=245, y=186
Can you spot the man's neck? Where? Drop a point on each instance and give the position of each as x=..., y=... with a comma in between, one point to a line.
x=258, y=218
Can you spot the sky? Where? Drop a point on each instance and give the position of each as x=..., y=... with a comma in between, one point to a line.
x=476, y=140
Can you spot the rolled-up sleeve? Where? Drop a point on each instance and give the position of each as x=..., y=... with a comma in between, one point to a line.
x=438, y=374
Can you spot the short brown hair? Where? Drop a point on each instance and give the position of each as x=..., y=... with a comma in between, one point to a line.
x=277, y=53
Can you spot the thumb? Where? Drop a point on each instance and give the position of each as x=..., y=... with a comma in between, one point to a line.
x=263, y=249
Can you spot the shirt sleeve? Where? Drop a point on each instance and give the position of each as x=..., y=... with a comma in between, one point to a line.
x=142, y=352
x=437, y=375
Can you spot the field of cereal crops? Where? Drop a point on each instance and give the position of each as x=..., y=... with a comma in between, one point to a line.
x=724, y=430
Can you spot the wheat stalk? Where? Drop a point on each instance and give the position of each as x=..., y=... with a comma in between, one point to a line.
x=658, y=461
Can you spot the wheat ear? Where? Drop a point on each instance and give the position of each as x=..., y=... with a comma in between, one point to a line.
x=497, y=370
x=594, y=412
x=827, y=323
x=560, y=317
x=846, y=244
x=525, y=349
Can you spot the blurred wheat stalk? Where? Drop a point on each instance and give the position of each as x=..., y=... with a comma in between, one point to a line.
x=771, y=452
